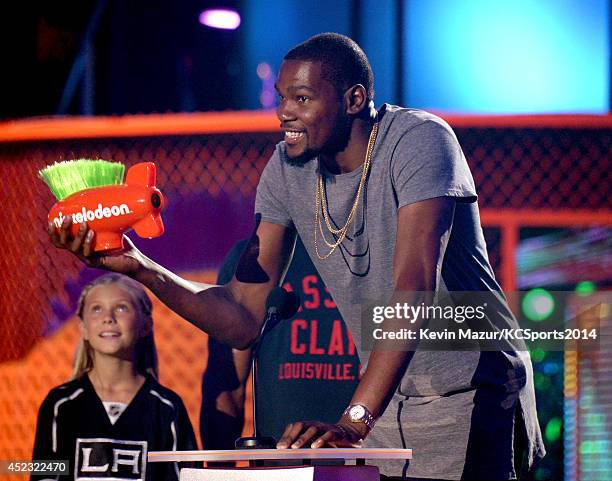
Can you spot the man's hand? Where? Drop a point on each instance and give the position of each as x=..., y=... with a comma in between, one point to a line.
x=316, y=434
x=81, y=245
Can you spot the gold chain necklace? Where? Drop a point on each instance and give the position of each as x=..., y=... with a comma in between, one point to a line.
x=321, y=203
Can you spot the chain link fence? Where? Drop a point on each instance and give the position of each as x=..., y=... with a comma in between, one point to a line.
x=209, y=182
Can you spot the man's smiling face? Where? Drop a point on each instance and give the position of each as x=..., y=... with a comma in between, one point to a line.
x=310, y=110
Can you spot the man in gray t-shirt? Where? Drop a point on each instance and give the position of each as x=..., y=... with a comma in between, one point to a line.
x=416, y=158
x=403, y=219
x=385, y=205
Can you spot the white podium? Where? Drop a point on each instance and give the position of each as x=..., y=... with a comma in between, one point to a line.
x=302, y=471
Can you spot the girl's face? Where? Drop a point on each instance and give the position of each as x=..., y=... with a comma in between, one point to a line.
x=111, y=321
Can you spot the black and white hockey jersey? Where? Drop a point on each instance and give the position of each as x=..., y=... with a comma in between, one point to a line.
x=73, y=425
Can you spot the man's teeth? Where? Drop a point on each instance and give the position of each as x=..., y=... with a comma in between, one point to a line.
x=293, y=135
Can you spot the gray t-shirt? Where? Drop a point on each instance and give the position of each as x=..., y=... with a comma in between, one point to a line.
x=416, y=157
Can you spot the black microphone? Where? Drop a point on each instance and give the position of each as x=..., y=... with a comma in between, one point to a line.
x=291, y=306
x=280, y=305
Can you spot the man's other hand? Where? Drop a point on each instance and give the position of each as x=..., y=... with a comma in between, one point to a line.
x=315, y=434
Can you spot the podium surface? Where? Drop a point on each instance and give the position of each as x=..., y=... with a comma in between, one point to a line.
x=356, y=454
x=302, y=471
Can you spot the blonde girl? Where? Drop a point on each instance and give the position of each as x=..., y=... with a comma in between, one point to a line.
x=113, y=410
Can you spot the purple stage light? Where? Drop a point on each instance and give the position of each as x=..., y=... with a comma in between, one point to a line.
x=264, y=70
x=220, y=18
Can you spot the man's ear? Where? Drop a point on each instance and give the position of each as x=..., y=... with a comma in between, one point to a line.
x=355, y=99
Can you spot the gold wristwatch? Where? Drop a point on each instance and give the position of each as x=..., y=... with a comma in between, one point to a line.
x=358, y=413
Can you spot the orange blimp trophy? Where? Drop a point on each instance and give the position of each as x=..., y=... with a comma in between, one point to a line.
x=93, y=191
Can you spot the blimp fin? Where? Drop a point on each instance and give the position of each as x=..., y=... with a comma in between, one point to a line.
x=149, y=226
x=143, y=173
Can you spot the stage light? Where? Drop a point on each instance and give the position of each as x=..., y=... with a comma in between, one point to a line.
x=267, y=96
x=550, y=368
x=538, y=354
x=538, y=304
x=220, y=18
x=264, y=70
x=267, y=99
x=553, y=429
x=585, y=288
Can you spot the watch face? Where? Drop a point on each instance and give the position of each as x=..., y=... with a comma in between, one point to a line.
x=357, y=413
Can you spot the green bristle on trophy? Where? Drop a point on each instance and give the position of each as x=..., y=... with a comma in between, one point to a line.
x=67, y=177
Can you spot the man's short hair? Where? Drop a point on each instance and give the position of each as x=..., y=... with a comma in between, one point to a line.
x=343, y=62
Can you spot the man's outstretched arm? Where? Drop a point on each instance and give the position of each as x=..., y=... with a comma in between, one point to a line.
x=232, y=313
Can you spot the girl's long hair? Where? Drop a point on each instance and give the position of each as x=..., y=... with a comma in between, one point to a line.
x=146, y=352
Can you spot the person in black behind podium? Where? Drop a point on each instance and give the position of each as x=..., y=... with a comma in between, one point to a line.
x=308, y=365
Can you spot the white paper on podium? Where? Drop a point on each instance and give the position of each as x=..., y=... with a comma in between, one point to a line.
x=280, y=474
x=303, y=473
